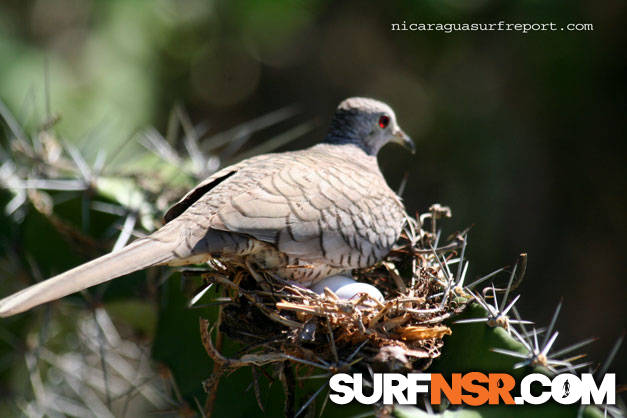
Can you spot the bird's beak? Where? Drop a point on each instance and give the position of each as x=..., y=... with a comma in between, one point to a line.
x=403, y=139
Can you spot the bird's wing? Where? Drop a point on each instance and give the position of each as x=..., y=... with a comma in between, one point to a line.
x=317, y=209
x=199, y=191
x=247, y=170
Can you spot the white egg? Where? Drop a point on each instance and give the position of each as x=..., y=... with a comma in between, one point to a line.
x=346, y=288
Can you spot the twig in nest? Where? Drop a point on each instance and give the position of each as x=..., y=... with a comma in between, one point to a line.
x=256, y=388
x=286, y=375
x=220, y=279
x=416, y=332
x=211, y=385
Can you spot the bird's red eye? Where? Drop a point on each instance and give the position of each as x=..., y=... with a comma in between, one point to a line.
x=383, y=121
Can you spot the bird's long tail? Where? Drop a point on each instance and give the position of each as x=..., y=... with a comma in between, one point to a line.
x=140, y=254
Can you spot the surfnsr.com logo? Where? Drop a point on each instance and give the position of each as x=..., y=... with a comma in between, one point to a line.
x=473, y=389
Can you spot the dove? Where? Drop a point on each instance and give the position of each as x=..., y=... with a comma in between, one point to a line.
x=303, y=215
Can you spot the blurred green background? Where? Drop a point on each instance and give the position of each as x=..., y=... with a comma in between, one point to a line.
x=523, y=135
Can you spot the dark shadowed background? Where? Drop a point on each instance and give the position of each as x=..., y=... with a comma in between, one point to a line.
x=522, y=135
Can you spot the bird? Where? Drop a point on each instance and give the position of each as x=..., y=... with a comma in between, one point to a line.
x=304, y=215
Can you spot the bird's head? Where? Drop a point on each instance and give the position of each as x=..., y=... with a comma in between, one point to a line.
x=367, y=123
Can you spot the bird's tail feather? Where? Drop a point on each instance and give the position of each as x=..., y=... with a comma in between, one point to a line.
x=140, y=254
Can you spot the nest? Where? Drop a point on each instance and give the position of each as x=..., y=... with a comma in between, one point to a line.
x=280, y=323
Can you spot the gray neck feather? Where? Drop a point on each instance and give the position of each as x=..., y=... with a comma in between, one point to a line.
x=348, y=128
